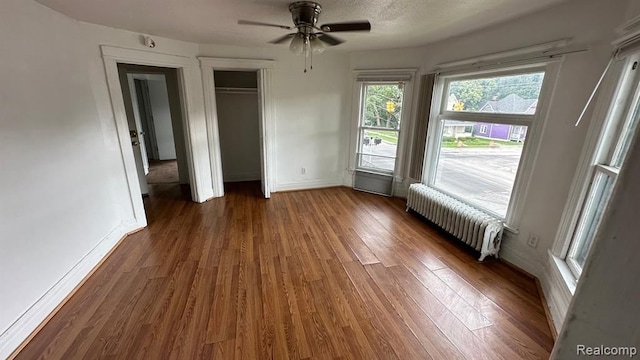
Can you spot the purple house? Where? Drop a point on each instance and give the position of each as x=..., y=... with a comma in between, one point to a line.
x=500, y=131
x=511, y=104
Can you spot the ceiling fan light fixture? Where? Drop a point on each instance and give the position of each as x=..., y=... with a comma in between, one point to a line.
x=317, y=47
x=309, y=37
x=297, y=44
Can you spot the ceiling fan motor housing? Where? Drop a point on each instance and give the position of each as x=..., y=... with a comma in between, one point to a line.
x=305, y=15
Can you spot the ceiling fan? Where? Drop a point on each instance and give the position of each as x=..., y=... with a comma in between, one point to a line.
x=310, y=37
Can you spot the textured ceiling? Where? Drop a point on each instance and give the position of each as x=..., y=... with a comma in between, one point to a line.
x=395, y=23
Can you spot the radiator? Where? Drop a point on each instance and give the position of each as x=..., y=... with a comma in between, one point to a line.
x=478, y=229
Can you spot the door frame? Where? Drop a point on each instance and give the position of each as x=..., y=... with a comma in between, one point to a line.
x=189, y=89
x=267, y=110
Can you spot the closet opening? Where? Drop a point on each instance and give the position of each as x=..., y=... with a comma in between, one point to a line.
x=238, y=110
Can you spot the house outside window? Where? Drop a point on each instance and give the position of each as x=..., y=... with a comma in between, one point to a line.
x=478, y=135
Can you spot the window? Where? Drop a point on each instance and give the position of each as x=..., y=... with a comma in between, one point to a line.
x=615, y=141
x=480, y=134
x=379, y=125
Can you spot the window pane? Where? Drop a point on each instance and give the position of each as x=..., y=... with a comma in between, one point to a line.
x=626, y=136
x=480, y=166
x=377, y=149
x=590, y=218
x=383, y=105
x=513, y=94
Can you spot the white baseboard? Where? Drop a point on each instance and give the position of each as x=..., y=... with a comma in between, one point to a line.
x=307, y=184
x=20, y=330
x=525, y=262
x=557, y=290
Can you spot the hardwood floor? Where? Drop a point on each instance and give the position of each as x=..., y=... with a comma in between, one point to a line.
x=163, y=172
x=322, y=274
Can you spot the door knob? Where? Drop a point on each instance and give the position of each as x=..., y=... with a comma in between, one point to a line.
x=135, y=143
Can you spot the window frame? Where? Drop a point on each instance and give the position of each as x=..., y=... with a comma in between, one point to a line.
x=605, y=137
x=362, y=128
x=406, y=75
x=534, y=122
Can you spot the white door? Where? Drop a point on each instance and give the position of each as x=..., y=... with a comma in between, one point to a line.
x=138, y=123
x=264, y=160
x=133, y=131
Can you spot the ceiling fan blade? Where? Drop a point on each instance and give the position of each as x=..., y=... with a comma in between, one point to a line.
x=258, y=23
x=330, y=40
x=347, y=26
x=282, y=39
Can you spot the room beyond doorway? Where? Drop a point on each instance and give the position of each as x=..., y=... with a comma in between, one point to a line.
x=163, y=172
x=153, y=106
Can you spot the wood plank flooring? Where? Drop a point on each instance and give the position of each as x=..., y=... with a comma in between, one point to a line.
x=320, y=274
x=163, y=172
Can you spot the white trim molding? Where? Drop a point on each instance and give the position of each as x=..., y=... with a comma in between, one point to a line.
x=308, y=184
x=408, y=76
x=264, y=68
x=191, y=99
x=558, y=285
x=236, y=64
x=31, y=320
x=605, y=108
x=535, y=122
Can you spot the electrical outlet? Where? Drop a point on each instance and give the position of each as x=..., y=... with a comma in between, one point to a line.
x=533, y=240
x=303, y=171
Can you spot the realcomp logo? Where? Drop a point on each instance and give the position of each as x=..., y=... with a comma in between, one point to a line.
x=628, y=351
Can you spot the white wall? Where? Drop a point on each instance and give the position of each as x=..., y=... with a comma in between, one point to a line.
x=605, y=309
x=590, y=23
x=58, y=127
x=60, y=122
x=64, y=193
x=312, y=113
x=61, y=167
x=238, y=125
x=161, y=113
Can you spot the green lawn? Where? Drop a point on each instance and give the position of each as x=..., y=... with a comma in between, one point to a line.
x=390, y=137
x=475, y=142
x=448, y=142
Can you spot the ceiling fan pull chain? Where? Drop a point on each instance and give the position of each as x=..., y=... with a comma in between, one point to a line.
x=311, y=56
x=305, y=64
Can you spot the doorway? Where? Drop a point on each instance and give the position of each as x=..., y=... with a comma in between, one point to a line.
x=266, y=117
x=153, y=108
x=238, y=114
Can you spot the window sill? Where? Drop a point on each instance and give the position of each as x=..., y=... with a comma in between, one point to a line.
x=558, y=285
x=374, y=172
x=511, y=230
x=565, y=273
